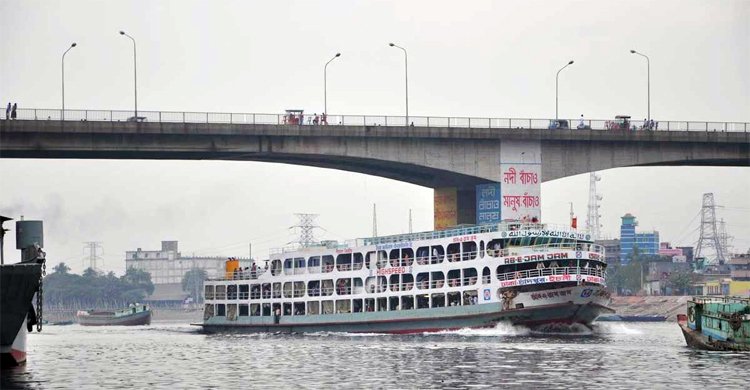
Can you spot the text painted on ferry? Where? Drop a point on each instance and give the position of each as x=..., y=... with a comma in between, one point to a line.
x=391, y=271
x=537, y=257
x=546, y=233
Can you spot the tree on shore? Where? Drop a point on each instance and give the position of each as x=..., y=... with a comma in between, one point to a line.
x=93, y=289
x=192, y=282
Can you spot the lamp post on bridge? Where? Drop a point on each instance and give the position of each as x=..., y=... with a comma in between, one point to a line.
x=557, y=78
x=325, y=83
x=648, y=82
x=135, y=74
x=62, y=113
x=406, y=73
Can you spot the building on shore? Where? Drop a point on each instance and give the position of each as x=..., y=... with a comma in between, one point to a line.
x=611, y=250
x=658, y=277
x=676, y=254
x=167, y=267
x=646, y=242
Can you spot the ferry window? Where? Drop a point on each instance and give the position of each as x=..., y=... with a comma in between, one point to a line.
x=423, y=255
x=395, y=257
x=369, y=304
x=423, y=301
x=299, y=289
x=382, y=259
x=299, y=308
x=407, y=302
x=209, y=292
x=407, y=282
x=299, y=265
x=438, y=279
x=382, y=284
x=454, y=252
x=357, y=261
x=514, y=242
x=244, y=291
x=313, y=288
x=244, y=310
x=327, y=307
x=208, y=311
x=438, y=254
x=327, y=287
x=382, y=304
x=469, y=250
x=232, y=312
x=288, y=290
x=395, y=282
x=276, y=290
x=275, y=267
x=393, y=303
x=486, y=275
x=438, y=300
x=266, y=290
x=454, y=298
x=221, y=292
x=343, y=286
x=470, y=276
x=370, y=259
x=313, y=308
x=313, y=264
x=470, y=297
x=288, y=266
x=232, y=291
x=454, y=278
x=542, y=241
x=287, y=309
x=266, y=309
x=221, y=310
x=327, y=263
x=358, y=286
x=481, y=249
x=344, y=262
x=495, y=247
x=357, y=305
x=423, y=280
x=343, y=306
x=254, y=309
x=407, y=257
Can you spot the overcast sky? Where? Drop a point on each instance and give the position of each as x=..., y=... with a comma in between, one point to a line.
x=477, y=58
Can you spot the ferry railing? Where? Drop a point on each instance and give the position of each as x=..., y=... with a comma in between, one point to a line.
x=327, y=268
x=243, y=295
x=314, y=269
x=220, y=295
x=208, y=294
x=550, y=271
x=327, y=291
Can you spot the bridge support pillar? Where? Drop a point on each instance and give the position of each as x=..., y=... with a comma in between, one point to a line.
x=454, y=206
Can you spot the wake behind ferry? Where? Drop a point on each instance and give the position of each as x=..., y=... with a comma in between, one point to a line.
x=527, y=274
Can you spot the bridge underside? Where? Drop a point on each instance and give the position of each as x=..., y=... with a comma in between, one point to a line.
x=431, y=157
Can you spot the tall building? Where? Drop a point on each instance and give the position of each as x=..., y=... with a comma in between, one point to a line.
x=611, y=250
x=167, y=267
x=647, y=242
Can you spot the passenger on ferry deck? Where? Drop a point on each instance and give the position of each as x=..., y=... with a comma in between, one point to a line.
x=553, y=264
x=540, y=265
x=253, y=271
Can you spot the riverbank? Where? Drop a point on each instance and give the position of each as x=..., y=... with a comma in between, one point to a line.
x=668, y=306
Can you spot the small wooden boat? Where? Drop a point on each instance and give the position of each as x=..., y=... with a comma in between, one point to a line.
x=717, y=323
x=135, y=314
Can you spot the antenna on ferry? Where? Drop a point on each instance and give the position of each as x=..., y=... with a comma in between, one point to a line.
x=410, y=230
x=374, y=220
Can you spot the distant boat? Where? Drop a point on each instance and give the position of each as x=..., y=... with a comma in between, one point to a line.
x=717, y=323
x=135, y=314
x=60, y=323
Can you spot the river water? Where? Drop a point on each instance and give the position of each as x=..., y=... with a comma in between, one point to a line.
x=176, y=356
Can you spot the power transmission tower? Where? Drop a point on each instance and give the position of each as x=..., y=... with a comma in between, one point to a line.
x=709, y=242
x=306, y=226
x=724, y=238
x=592, y=218
x=92, y=247
x=374, y=220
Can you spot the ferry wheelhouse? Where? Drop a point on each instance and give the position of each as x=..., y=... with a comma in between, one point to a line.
x=524, y=274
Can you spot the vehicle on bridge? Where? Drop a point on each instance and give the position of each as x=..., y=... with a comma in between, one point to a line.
x=621, y=122
x=137, y=119
x=558, y=124
x=294, y=117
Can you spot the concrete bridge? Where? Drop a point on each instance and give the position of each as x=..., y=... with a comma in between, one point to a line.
x=436, y=152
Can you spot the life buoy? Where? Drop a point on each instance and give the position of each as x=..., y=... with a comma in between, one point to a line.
x=691, y=314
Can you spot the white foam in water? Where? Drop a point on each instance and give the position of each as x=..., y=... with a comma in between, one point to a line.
x=501, y=329
x=614, y=328
x=562, y=330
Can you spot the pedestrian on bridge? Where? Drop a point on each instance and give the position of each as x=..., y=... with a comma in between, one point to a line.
x=7, y=112
x=13, y=111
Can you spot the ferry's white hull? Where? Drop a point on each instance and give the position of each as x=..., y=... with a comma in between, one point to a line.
x=15, y=354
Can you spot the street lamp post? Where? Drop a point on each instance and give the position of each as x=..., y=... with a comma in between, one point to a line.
x=648, y=82
x=325, y=83
x=557, y=78
x=406, y=73
x=135, y=74
x=62, y=113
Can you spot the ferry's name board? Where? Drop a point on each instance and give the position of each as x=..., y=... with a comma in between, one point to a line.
x=394, y=245
x=538, y=257
x=391, y=271
x=347, y=250
x=464, y=238
x=552, y=279
x=545, y=233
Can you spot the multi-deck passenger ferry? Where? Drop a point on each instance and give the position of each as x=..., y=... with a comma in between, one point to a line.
x=468, y=277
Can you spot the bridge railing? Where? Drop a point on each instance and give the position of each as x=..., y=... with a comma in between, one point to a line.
x=362, y=120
